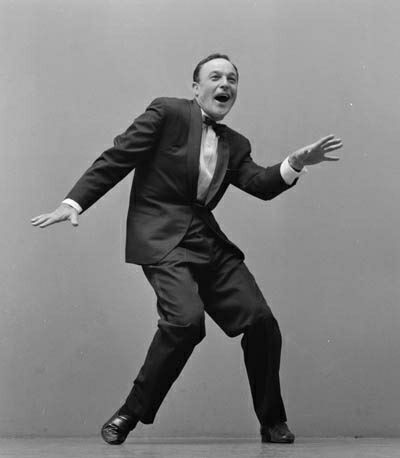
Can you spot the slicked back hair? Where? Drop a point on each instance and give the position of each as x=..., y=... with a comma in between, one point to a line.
x=216, y=55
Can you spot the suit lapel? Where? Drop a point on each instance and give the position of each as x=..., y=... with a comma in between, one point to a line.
x=220, y=168
x=193, y=148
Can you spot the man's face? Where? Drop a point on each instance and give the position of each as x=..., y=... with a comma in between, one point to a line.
x=217, y=88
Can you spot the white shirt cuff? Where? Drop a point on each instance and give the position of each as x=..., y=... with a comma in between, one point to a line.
x=288, y=173
x=73, y=204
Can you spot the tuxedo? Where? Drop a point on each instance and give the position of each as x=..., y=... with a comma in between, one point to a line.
x=191, y=264
x=163, y=146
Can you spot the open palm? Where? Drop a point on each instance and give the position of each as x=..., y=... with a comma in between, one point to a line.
x=317, y=152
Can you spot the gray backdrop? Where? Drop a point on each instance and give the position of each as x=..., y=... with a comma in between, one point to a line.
x=77, y=321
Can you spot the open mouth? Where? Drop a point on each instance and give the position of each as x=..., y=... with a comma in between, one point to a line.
x=222, y=98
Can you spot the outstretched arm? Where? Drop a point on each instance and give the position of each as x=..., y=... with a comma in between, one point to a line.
x=268, y=182
x=130, y=149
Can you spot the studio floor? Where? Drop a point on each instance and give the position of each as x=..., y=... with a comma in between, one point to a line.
x=93, y=447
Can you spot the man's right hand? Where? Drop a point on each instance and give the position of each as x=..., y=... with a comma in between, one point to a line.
x=63, y=213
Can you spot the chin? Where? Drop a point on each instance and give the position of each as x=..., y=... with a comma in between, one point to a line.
x=220, y=114
x=217, y=112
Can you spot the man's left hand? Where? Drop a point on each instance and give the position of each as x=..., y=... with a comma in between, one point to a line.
x=316, y=152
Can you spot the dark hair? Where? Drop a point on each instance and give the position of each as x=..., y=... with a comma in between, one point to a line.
x=216, y=55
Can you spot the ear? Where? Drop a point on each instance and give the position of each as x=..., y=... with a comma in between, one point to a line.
x=195, y=87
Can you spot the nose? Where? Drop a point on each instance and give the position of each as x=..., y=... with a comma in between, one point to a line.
x=224, y=82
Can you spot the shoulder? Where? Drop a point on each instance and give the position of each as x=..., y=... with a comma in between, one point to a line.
x=169, y=105
x=236, y=139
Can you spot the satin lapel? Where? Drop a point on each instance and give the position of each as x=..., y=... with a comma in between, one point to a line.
x=220, y=168
x=193, y=148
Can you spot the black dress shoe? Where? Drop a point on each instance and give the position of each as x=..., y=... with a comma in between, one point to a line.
x=279, y=434
x=116, y=429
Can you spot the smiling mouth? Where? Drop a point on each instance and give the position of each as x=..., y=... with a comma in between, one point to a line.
x=222, y=98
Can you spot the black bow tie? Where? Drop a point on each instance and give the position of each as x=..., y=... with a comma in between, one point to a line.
x=209, y=122
x=218, y=128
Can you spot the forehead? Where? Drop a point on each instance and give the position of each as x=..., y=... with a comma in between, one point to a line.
x=217, y=65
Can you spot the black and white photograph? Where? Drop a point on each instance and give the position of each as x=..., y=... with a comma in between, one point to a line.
x=199, y=250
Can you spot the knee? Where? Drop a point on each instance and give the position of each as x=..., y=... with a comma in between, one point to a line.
x=185, y=330
x=195, y=329
x=265, y=322
x=268, y=321
x=264, y=330
x=267, y=318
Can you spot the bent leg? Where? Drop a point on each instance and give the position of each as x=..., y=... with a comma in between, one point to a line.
x=180, y=328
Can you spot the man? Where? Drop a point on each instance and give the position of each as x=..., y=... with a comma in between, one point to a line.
x=184, y=161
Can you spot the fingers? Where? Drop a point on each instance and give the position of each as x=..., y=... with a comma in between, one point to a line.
x=46, y=220
x=329, y=144
x=324, y=140
x=35, y=219
x=333, y=142
x=329, y=141
x=333, y=146
x=38, y=220
x=62, y=213
x=74, y=219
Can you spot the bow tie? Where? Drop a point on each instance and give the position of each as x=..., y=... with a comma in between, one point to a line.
x=218, y=128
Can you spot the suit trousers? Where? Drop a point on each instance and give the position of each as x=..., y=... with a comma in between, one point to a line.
x=204, y=274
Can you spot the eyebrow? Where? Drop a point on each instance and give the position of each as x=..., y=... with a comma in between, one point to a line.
x=216, y=72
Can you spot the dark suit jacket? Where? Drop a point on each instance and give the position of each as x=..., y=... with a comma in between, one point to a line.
x=163, y=146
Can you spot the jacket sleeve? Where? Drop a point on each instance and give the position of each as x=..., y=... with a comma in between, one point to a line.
x=131, y=148
x=262, y=182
